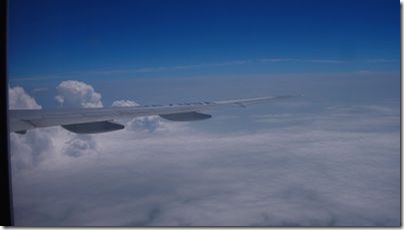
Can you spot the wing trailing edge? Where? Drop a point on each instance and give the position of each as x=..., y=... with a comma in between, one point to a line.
x=98, y=120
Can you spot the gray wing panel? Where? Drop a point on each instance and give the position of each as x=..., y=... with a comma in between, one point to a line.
x=21, y=120
x=19, y=125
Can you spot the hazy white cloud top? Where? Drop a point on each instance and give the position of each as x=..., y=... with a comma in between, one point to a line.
x=124, y=103
x=77, y=94
x=19, y=99
x=337, y=167
x=148, y=124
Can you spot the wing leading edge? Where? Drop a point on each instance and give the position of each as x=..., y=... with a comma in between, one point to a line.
x=96, y=120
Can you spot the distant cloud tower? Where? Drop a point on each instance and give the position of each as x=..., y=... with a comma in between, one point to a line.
x=76, y=94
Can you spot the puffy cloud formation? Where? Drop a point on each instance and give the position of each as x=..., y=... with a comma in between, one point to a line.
x=19, y=99
x=77, y=94
x=299, y=167
x=124, y=103
x=27, y=151
x=148, y=124
x=37, y=146
x=80, y=145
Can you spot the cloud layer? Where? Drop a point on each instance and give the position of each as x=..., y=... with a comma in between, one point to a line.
x=338, y=167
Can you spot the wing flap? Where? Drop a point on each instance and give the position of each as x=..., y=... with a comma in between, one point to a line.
x=94, y=127
x=189, y=116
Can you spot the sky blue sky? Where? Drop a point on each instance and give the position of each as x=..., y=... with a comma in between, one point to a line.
x=93, y=39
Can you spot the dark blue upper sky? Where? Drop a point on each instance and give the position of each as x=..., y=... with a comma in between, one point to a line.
x=134, y=38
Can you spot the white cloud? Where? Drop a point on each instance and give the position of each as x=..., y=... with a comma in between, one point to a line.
x=276, y=60
x=36, y=147
x=319, y=168
x=29, y=150
x=80, y=145
x=382, y=60
x=148, y=124
x=172, y=68
x=325, y=61
x=318, y=61
x=19, y=99
x=277, y=177
x=145, y=124
x=77, y=94
x=124, y=103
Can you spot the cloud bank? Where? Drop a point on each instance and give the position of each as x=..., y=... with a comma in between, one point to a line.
x=337, y=167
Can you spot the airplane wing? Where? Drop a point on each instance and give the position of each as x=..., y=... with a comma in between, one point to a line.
x=98, y=120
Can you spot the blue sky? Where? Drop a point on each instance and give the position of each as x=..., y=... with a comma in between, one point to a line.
x=92, y=39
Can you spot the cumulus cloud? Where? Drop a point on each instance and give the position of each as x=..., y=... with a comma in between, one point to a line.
x=29, y=150
x=77, y=94
x=124, y=103
x=19, y=99
x=80, y=145
x=37, y=146
x=148, y=124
